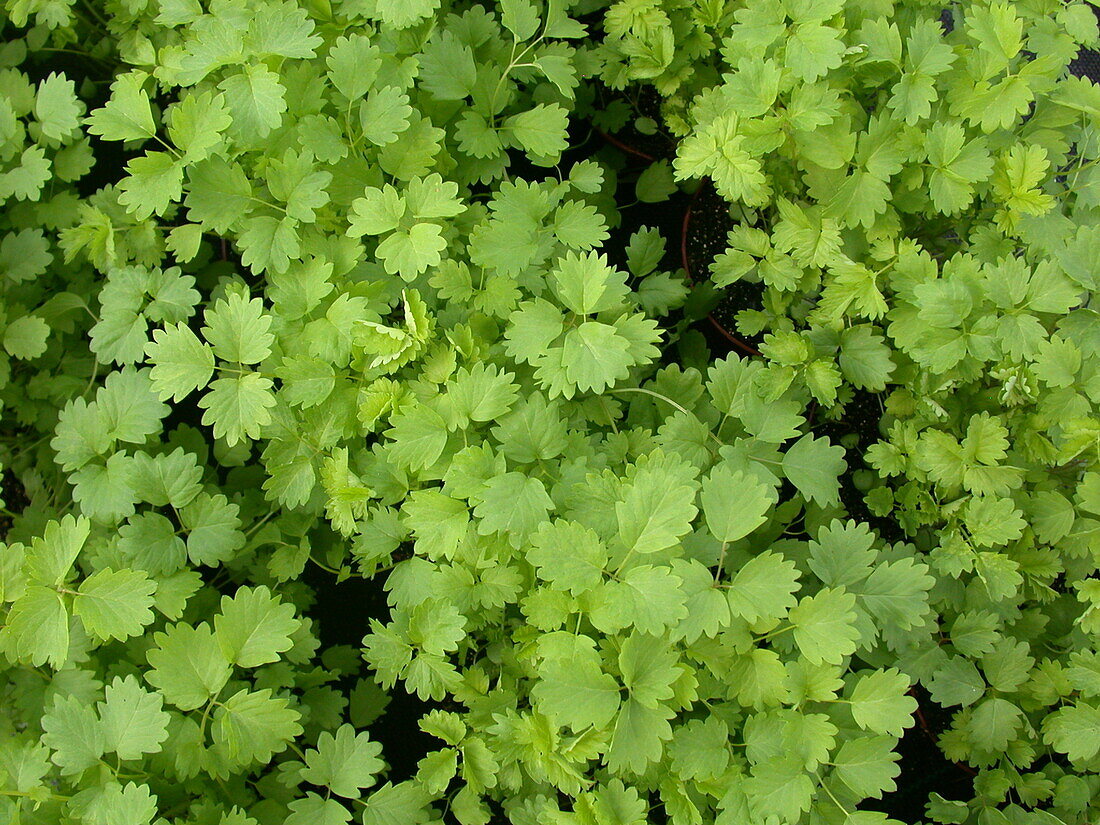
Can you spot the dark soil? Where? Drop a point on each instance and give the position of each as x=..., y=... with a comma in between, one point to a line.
x=14, y=497
x=706, y=225
x=343, y=612
x=858, y=428
x=644, y=101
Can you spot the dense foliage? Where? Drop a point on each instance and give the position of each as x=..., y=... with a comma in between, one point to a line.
x=356, y=285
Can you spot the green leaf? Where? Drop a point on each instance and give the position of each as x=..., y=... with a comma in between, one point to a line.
x=37, y=628
x=779, y=788
x=127, y=115
x=638, y=738
x=595, y=356
x=406, y=13
x=648, y=598
x=256, y=100
x=957, y=166
x=541, y=130
x=418, y=435
x=512, y=504
x=252, y=726
x=281, y=30
x=129, y=804
x=353, y=63
x=574, y=690
x=764, y=588
x=219, y=194
x=26, y=338
x=131, y=411
x=432, y=197
x=187, y=665
x=238, y=407
x=148, y=541
x=254, y=627
x=657, y=504
x=814, y=466
x=481, y=393
x=448, y=68
x=825, y=626
x=153, y=182
x=384, y=116
x=957, y=682
x=134, y=722
x=865, y=359
x=881, y=704
x=867, y=765
x=213, y=526
x=169, y=479
x=196, y=124
x=396, y=804
x=26, y=180
x=993, y=521
x=317, y=810
x=376, y=212
x=181, y=362
x=409, y=252
x=1074, y=730
x=587, y=284
x=53, y=554
x=238, y=329
x=115, y=604
x=896, y=593
x=344, y=763
x=24, y=254
x=813, y=50
x=25, y=764
x=56, y=107
x=992, y=724
x=656, y=183
x=520, y=17
x=649, y=669
x=735, y=503
x=104, y=491
x=72, y=730
x=568, y=555
x=700, y=749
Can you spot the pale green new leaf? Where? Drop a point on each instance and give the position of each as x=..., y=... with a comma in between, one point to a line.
x=541, y=130
x=238, y=329
x=512, y=504
x=575, y=691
